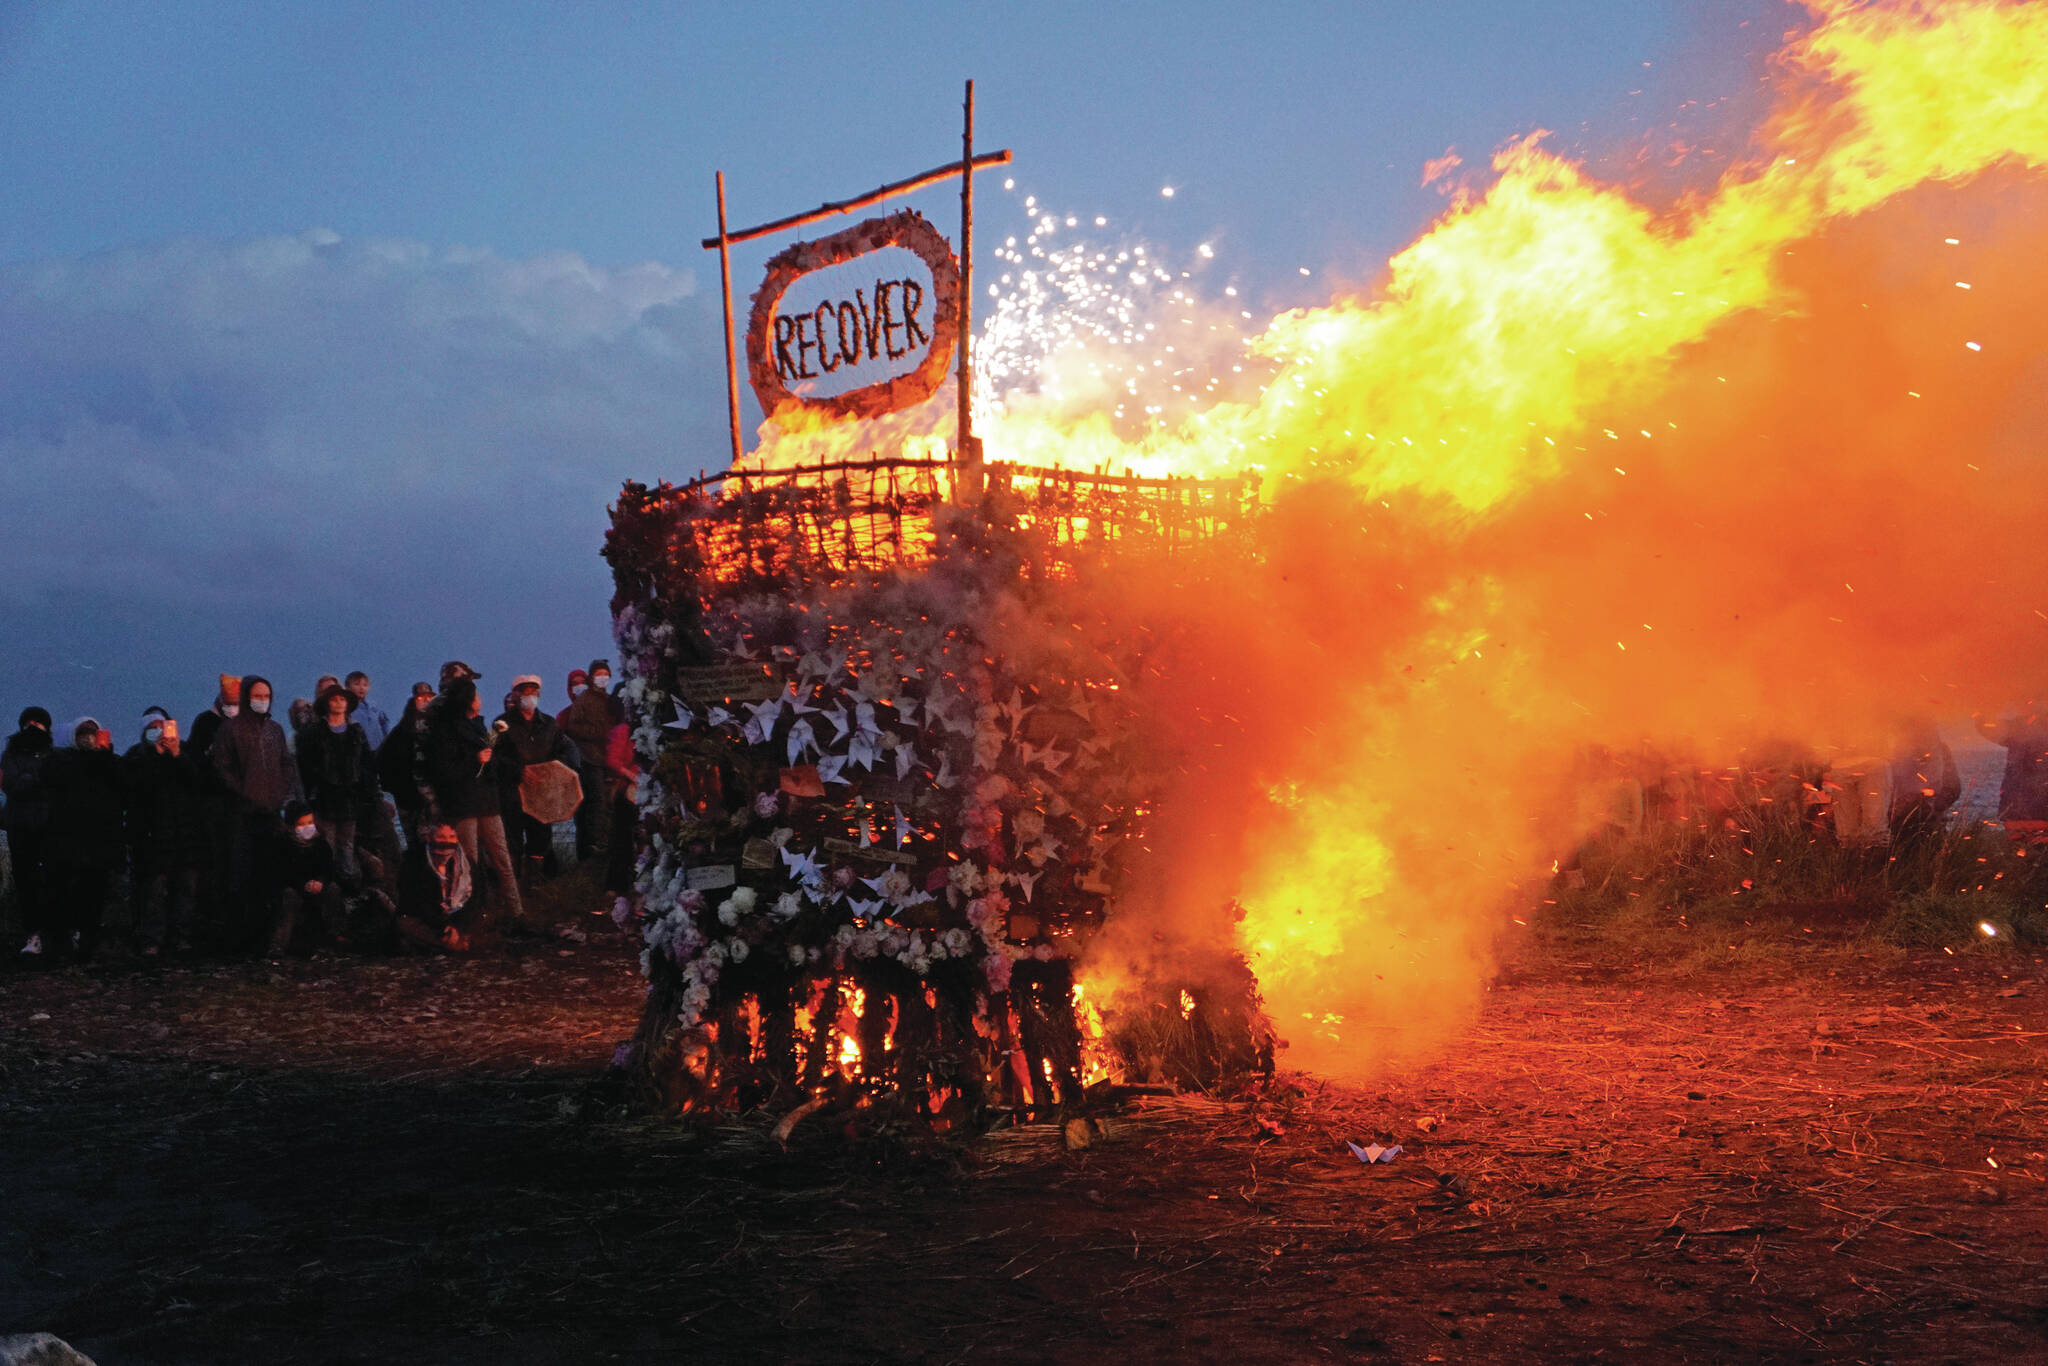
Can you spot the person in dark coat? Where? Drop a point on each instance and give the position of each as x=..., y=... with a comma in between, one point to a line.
x=250, y=757
x=2023, y=795
x=1925, y=784
x=23, y=764
x=588, y=721
x=437, y=897
x=306, y=888
x=217, y=808
x=86, y=829
x=400, y=764
x=536, y=739
x=168, y=840
x=466, y=771
x=337, y=772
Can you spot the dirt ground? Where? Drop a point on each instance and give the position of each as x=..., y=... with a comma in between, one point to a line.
x=1807, y=1152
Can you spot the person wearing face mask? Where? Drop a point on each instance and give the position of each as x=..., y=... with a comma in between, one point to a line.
x=305, y=887
x=536, y=738
x=466, y=769
x=227, y=704
x=588, y=720
x=250, y=757
x=167, y=835
x=337, y=773
x=86, y=802
x=23, y=766
x=217, y=808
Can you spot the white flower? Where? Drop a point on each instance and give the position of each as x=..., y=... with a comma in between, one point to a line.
x=745, y=898
x=796, y=955
x=787, y=906
x=728, y=913
x=739, y=951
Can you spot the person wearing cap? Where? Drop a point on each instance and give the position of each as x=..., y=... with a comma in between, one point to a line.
x=250, y=756
x=86, y=801
x=466, y=769
x=167, y=835
x=337, y=772
x=537, y=739
x=227, y=704
x=23, y=765
x=588, y=720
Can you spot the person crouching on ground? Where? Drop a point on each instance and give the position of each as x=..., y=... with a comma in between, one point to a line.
x=168, y=839
x=307, y=891
x=437, y=891
x=466, y=769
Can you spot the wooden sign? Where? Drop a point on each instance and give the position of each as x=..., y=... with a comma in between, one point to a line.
x=867, y=329
x=740, y=682
x=875, y=852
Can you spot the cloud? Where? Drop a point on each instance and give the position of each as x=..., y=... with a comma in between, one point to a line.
x=300, y=446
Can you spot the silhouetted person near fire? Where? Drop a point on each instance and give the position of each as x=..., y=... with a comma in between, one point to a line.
x=622, y=791
x=167, y=836
x=2023, y=795
x=24, y=763
x=1925, y=784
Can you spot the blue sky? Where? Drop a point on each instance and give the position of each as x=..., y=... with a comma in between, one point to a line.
x=327, y=331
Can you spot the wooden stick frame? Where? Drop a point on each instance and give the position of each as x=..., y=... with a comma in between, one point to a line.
x=967, y=456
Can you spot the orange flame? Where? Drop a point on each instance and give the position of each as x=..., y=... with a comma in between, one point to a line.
x=1588, y=469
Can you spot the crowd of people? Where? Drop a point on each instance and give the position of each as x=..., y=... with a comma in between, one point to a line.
x=240, y=835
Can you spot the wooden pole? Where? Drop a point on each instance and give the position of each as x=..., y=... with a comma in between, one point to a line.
x=970, y=474
x=916, y=182
x=732, y=368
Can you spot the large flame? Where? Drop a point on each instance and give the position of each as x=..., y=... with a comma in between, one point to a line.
x=1585, y=469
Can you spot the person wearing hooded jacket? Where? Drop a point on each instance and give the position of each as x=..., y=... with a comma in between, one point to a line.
x=250, y=757
x=168, y=839
x=466, y=771
x=23, y=764
x=86, y=808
